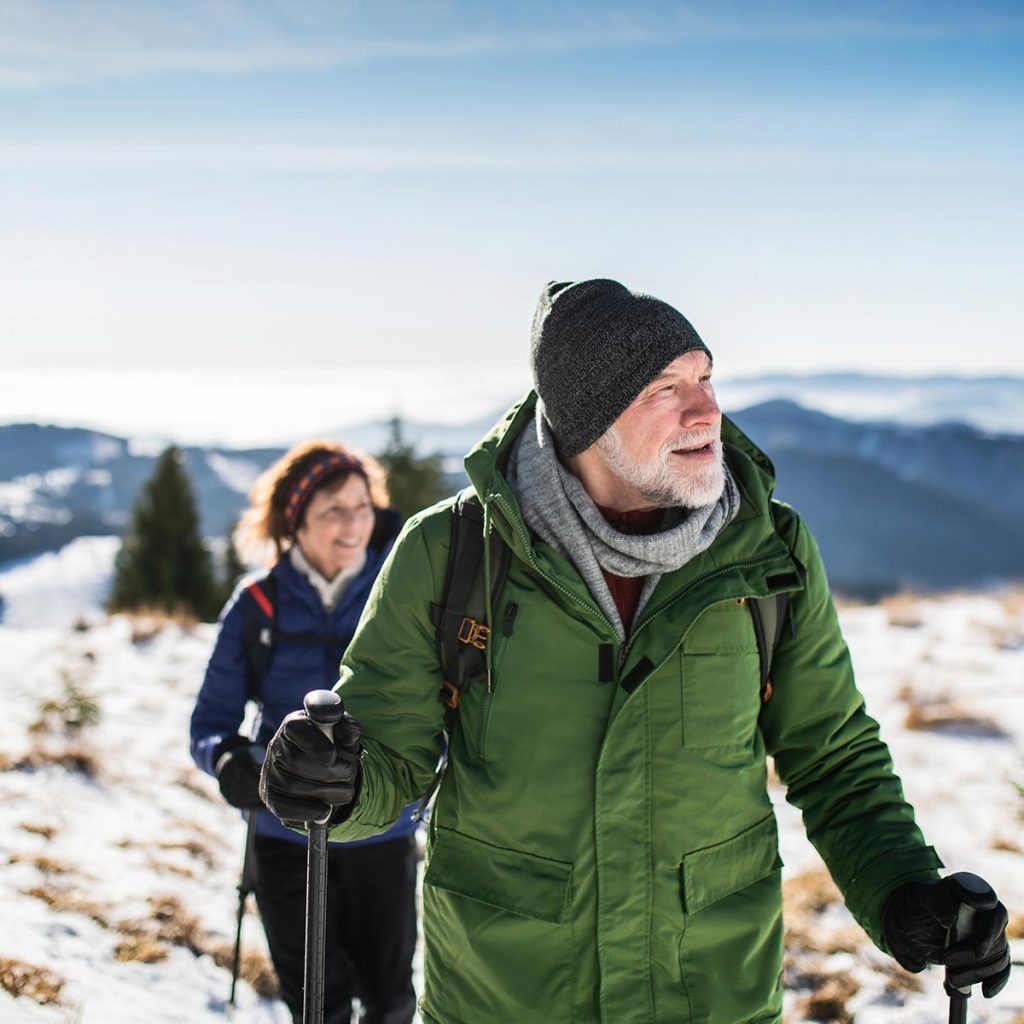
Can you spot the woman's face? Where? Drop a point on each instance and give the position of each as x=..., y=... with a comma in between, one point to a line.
x=336, y=526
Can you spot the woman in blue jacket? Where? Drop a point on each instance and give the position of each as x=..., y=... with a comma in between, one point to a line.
x=325, y=512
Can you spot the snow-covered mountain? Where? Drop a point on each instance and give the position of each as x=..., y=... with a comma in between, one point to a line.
x=118, y=898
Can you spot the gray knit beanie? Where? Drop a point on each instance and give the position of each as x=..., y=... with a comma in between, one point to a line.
x=596, y=345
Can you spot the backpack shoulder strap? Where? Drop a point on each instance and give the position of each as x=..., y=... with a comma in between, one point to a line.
x=461, y=619
x=259, y=606
x=769, y=618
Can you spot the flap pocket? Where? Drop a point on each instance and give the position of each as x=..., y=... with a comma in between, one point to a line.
x=512, y=880
x=728, y=867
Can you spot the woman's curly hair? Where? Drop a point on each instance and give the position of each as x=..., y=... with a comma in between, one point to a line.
x=264, y=532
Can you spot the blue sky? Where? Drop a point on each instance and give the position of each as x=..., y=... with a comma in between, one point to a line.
x=331, y=184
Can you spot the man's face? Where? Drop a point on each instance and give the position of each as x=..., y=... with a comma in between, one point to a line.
x=666, y=446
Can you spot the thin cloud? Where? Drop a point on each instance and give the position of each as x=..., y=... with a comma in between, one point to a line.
x=742, y=162
x=44, y=43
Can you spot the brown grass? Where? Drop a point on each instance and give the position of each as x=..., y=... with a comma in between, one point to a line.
x=146, y=623
x=947, y=714
x=810, y=892
x=70, y=901
x=903, y=610
x=76, y=756
x=47, y=865
x=828, y=997
x=1007, y=844
x=1015, y=929
x=197, y=783
x=197, y=849
x=31, y=981
x=46, y=831
x=898, y=981
x=141, y=948
x=253, y=966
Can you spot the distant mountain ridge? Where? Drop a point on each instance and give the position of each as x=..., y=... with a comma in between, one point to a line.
x=892, y=505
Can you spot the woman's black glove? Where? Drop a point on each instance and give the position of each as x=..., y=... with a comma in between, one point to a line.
x=238, y=772
x=306, y=775
x=916, y=923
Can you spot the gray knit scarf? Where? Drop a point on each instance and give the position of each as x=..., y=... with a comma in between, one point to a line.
x=556, y=506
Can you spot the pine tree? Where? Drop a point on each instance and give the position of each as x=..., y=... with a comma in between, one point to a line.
x=414, y=483
x=232, y=568
x=163, y=563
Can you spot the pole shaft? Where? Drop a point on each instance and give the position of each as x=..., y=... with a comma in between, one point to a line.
x=316, y=915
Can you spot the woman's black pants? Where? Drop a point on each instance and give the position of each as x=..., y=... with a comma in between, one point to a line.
x=371, y=926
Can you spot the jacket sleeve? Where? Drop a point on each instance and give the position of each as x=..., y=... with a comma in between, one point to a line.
x=220, y=706
x=391, y=681
x=829, y=755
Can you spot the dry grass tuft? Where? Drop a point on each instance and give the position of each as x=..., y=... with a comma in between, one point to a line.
x=1007, y=844
x=76, y=757
x=903, y=610
x=810, y=892
x=1015, y=929
x=46, y=831
x=165, y=867
x=254, y=967
x=141, y=948
x=147, y=623
x=47, y=865
x=947, y=715
x=898, y=981
x=30, y=980
x=828, y=998
x=197, y=783
x=70, y=901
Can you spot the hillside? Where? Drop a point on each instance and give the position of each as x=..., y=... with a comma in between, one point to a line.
x=118, y=892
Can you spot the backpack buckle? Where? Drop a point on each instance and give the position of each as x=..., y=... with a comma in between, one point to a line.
x=473, y=633
x=450, y=695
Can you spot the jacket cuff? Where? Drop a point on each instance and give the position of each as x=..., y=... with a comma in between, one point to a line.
x=867, y=894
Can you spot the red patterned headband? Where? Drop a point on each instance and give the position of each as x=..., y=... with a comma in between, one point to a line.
x=308, y=482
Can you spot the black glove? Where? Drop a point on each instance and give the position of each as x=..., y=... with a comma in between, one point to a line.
x=916, y=923
x=307, y=776
x=238, y=772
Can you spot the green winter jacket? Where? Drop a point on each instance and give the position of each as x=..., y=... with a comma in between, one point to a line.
x=608, y=852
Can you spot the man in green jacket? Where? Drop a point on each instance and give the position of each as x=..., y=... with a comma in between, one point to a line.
x=603, y=847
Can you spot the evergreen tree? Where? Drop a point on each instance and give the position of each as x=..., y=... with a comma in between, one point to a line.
x=163, y=563
x=232, y=568
x=413, y=482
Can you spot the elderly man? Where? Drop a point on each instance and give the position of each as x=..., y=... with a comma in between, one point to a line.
x=603, y=847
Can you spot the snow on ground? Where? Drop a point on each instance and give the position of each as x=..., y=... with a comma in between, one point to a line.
x=58, y=587
x=148, y=826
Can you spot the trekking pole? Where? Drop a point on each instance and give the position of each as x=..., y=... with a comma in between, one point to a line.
x=971, y=886
x=246, y=884
x=324, y=708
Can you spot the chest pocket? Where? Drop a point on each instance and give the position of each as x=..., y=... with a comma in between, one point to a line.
x=720, y=685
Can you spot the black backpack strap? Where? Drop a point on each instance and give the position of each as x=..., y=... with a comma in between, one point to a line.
x=261, y=635
x=259, y=606
x=463, y=631
x=769, y=618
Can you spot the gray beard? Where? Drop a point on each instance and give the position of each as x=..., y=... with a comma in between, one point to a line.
x=657, y=481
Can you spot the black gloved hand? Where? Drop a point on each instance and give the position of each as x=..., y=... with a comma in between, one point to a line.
x=307, y=776
x=238, y=772
x=916, y=923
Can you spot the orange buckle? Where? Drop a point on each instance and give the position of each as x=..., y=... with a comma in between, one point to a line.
x=471, y=632
x=450, y=694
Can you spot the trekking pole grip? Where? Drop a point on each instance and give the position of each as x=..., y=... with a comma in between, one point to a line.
x=970, y=887
x=323, y=708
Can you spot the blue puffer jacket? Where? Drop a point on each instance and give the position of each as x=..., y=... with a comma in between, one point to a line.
x=295, y=668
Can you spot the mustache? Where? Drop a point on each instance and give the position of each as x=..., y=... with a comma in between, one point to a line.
x=691, y=439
